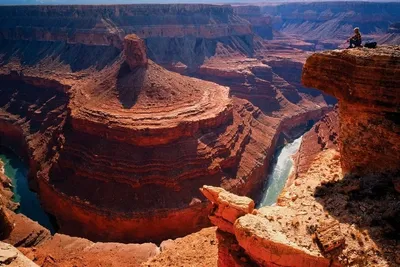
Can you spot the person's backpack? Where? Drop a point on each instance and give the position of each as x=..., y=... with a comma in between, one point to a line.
x=370, y=45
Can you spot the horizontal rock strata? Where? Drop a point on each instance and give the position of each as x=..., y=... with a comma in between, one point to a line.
x=365, y=82
x=114, y=141
x=173, y=33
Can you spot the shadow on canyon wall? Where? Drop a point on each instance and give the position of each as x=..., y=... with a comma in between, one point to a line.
x=77, y=56
x=129, y=84
x=193, y=51
x=371, y=204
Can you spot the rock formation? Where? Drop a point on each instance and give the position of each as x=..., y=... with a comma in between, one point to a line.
x=365, y=82
x=323, y=135
x=10, y=256
x=173, y=33
x=325, y=217
x=103, y=121
x=261, y=24
x=135, y=51
x=324, y=25
x=263, y=235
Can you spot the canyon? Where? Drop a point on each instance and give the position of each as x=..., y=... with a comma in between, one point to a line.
x=331, y=212
x=122, y=112
x=141, y=139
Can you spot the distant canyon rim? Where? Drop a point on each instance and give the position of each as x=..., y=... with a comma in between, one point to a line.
x=123, y=112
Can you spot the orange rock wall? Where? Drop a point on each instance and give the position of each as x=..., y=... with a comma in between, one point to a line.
x=365, y=82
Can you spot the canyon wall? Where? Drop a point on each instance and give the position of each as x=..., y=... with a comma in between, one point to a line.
x=328, y=25
x=261, y=24
x=173, y=33
x=113, y=140
x=365, y=82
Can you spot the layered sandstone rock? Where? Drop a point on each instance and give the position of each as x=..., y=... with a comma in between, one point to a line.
x=173, y=33
x=136, y=131
x=365, y=82
x=10, y=256
x=261, y=24
x=93, y=120
x=228, y=207
x=323, y=135
x=263, y=236
x=267, y=84
x=135, y=51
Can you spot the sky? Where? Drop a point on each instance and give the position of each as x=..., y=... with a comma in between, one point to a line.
x=92, y=2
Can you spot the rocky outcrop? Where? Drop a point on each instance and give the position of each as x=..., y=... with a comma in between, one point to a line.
x=263, y=235
x=196, y=249
x=25, y=232
x=228, y=207
x=137, y=131
x=86, y=115
x=10, y=256
x=365, y=83
x=323, y=135
x=271, y=86
x=135, y=51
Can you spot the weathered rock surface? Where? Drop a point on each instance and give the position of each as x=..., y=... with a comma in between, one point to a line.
x=173, y=33
x=92, y=127
x=135, y=51
x=261, y=236
x=261, y=24
x=227, y=207
x=105, y=121
x=10, y=256
x=196, y=249
x=366, y=84
x=25, y=232
x=323, y=135
x=64, y=250
x=269, y=246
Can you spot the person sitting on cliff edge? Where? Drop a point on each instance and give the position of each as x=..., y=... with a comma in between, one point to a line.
x=356, y=39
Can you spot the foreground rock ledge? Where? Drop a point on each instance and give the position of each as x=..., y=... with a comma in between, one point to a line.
x=257, y=236
x=367, y=84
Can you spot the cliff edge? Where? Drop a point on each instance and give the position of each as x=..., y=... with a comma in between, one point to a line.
x=366, y=83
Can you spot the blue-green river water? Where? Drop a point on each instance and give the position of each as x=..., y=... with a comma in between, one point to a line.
x=30, y=206
x=281, y=169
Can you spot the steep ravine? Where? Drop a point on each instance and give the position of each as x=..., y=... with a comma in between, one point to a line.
x=115, y=141
x=28, y=200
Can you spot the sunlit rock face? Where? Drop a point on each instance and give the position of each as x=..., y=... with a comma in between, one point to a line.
x=115, y=147
x=114, y=140
x=365, y=81
x=135, y=51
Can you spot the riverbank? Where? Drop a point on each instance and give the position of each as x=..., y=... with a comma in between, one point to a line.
x=282, y=168
x=17, y=171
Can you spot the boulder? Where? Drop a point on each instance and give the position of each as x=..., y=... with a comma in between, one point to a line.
x=227, y=207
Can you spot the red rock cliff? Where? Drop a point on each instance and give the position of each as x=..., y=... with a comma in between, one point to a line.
x=115, y=143
x=366, y=83
x=121, y=148
x=173, y=33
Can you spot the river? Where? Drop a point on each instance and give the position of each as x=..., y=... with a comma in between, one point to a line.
x=280, y=171
x=30, y=206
